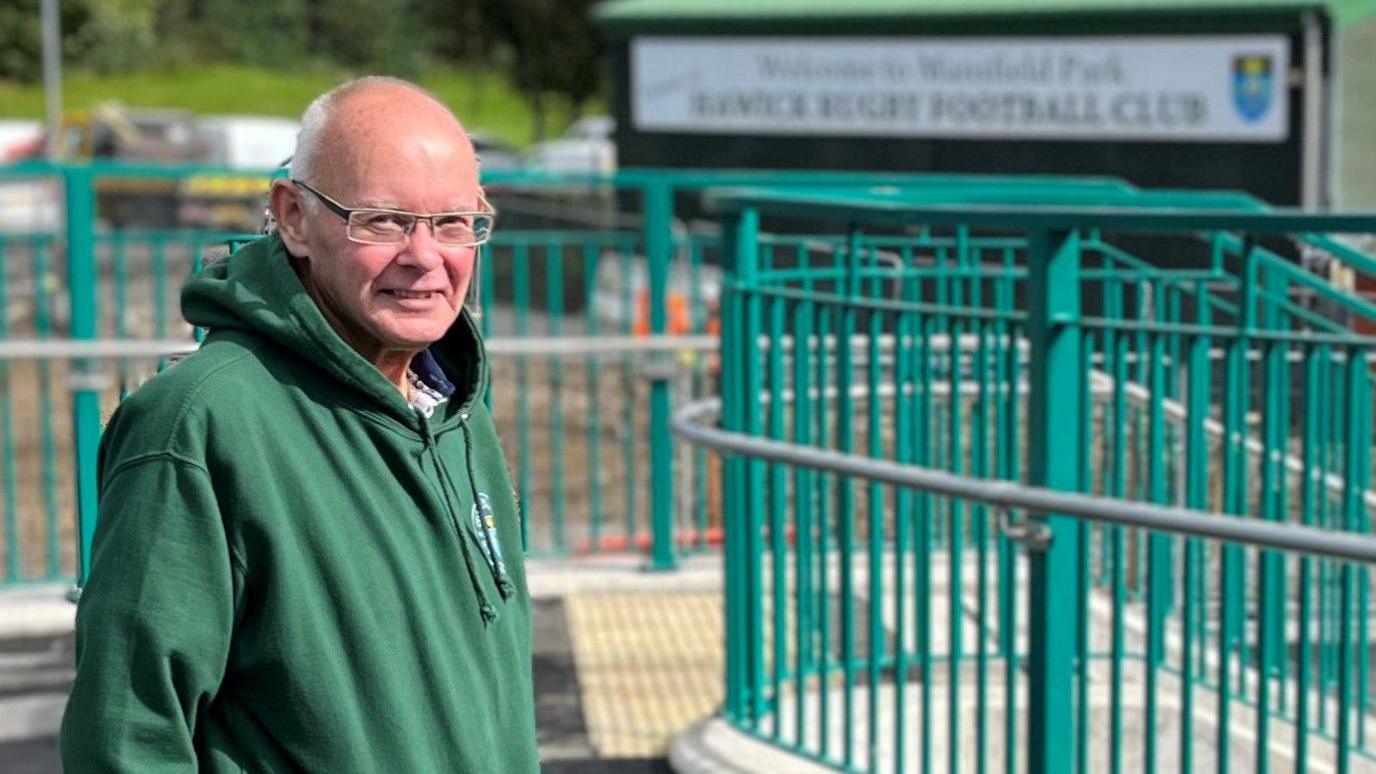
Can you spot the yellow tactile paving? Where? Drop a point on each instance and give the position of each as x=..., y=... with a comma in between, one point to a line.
x=648, y=666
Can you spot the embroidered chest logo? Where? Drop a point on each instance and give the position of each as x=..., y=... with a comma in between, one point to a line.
x=484, y=525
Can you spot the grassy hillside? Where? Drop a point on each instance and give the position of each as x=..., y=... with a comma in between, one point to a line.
x=485, y=101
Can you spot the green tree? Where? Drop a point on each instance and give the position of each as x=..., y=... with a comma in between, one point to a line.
x=390, y=37
x=116, y=36
x=19, y=40
x=554, y=50
x=269, y=33
x=21, y=46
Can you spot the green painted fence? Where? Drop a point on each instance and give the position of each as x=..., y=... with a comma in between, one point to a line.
x=876, y=627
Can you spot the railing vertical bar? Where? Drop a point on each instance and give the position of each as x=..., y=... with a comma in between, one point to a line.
x=628, y=396
x=657, y=201
x=1234, y=501
x=940, y=448
x=487, y=298
x=1280, y=388
x=1009, y=453
x=1053, y=313
x=824, y=537
x=875, y=505
x=1268, y=646
x=903, y=443
x=1364, y=430
x=803, y=338
x=593, y=462
x=979, y=466
x=119, y=270
x=47, y=443
x=1323, y=452
x=83, y=302
x=778, y=505
x=1250, y=312
x=1083, y=540
x=1159, y=585
x=1354, y=487
x=1145, y=298
x=922, y=577
x=1337, y=519
x=521, y=296
x=755, y=505
x=554, y=294
x=955, y=514
x=738, y=245
x=1196, y=496
x=698, y=386
x=1309, y=493
x=1116, y=351
x=1113, y=410
x=845, y=442
x=1354, y=379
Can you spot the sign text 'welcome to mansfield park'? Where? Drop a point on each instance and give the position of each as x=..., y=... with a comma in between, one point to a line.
x=1182, y=88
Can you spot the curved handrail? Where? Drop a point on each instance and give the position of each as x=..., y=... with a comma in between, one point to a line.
x=1010, y=495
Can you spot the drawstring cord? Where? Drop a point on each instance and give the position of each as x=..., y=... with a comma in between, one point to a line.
x=485, y=609
x=494, y=552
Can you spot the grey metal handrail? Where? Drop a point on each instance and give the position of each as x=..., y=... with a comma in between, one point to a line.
x=687, y=421
x=548, y=346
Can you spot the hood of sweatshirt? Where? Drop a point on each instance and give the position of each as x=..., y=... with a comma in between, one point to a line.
x=257, y=290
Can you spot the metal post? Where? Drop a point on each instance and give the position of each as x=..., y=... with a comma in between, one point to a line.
x=52, y=74
x=750, y=385
x=659, y=211
x=81, y=288
x=739, y=245
x=1316, y=136
x=1053, y=462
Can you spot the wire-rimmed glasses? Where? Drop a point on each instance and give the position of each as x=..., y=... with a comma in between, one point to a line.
x=380, y=226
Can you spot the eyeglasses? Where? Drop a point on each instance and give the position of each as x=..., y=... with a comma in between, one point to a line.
x=374, y=226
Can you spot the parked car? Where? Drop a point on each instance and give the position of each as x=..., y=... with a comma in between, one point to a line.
x=249, y=142
x=588, y=147
x=493, y=153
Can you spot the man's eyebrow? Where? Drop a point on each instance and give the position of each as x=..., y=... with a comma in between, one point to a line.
x=379, y=204
x=390, y=204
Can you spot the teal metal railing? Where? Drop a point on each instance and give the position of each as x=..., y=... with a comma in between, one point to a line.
x=1176, y=357
x=600, y=257
x=576, y=259
x=597, y=256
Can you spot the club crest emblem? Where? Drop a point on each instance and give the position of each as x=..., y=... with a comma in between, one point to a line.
x=1253, y=86
x=484, y=525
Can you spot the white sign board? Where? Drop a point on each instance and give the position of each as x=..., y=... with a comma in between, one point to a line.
x=1228, y=88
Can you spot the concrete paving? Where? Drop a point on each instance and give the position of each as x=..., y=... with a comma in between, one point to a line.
x=624, y=658
x=628, y=674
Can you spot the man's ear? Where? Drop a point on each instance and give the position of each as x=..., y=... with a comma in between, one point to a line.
x=284, y=200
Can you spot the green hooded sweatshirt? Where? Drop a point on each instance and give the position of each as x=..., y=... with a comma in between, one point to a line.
x=289, y=572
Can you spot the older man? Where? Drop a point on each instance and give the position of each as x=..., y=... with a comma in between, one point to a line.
x=308, y=556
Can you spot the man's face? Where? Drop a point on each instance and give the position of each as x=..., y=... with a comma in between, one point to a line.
x=396, y=296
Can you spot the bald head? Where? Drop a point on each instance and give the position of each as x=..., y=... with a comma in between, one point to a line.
x=357, y=124
x=380, y=144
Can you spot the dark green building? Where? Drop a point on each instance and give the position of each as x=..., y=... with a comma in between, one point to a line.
x=1274, y=97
